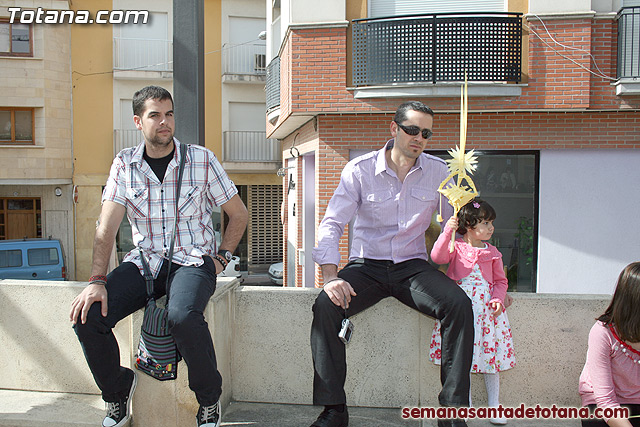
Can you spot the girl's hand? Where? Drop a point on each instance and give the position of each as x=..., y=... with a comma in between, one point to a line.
x=497, y=308
x=452, y=223
x=508, y=300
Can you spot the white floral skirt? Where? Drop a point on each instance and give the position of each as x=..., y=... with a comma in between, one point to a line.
x=493, y=343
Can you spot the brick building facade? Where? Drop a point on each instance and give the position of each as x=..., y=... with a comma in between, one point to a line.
x=561, y=105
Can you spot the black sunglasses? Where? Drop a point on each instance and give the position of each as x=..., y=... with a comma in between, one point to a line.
x=414, y=130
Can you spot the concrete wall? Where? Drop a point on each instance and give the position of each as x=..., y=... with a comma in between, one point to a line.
x=387, y=358
x=261, y=335
x=39, y=348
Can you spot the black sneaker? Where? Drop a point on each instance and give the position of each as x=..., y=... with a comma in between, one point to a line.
x=209, y=416
x=119, y=412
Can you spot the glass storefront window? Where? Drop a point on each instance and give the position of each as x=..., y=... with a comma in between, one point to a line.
x=508, y=180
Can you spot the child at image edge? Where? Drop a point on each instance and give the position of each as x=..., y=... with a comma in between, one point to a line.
x=611, y=374
x=477, y=268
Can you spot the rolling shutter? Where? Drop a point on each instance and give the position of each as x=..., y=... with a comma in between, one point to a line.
x=265, y=230
x=380, y=8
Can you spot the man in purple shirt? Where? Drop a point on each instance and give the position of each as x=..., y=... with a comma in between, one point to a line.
x=392, y=194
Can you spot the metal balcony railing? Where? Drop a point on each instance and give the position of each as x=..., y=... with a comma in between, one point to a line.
x=125, y=138
x=142, y=54
x=628, y=42
x=249, y=146
x=273, y=84
x=437, y=48
x=245, y=59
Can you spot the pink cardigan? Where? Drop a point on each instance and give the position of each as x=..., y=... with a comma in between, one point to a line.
x=610, y=376
x=465, y=256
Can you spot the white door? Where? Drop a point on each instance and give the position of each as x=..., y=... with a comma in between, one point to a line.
x=309, y=218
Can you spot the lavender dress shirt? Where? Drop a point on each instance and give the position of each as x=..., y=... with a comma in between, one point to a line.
x=391, y=216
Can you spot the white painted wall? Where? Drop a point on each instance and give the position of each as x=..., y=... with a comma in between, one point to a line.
x=588, y=227
x=564, y=6
x=555, y=6
x=304, y=11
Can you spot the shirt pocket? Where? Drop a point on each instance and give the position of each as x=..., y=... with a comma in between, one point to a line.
x=423, y=203
x=422, y=196
x=383, y=207
x=138, y=202
x=189, y=203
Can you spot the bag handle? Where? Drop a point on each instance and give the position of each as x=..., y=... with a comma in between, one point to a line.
x=147, y=272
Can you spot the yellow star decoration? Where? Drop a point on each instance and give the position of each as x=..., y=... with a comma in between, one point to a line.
x=464, y=190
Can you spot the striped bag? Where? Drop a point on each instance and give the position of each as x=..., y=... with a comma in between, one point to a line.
x=157, y=352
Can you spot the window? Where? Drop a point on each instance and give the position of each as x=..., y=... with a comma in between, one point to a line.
x=15, y=39
x=508, y=181
x=144, y=47
x=43, y=256
x=16, y=125
x=11, y=258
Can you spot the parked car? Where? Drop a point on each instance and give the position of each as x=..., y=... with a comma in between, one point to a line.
x=34, y=259
x=275, y=273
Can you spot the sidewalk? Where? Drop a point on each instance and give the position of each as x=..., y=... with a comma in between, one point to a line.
x=36, y=409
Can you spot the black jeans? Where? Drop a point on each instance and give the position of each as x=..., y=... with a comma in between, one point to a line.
x=416, y=284
x=189, y=292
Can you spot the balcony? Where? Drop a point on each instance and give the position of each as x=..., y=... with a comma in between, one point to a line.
x=125, y=138
x=250, y=151
x=143, y=55
x=420, y=50
x=273, y=89
x=628, y=51
x=244, y=63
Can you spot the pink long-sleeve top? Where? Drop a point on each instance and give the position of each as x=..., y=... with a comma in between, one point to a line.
x=465, y=256
x=611, y=374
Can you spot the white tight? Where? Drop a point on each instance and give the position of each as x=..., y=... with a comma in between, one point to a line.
x=492, y=383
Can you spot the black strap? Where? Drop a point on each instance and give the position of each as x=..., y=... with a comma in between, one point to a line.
x=183, y=155
x=148, y=277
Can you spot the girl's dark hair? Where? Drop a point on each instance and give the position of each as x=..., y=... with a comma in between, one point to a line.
x=624, y=310
x=470, y=215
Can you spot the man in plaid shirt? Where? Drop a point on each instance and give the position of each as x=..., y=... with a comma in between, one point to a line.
x=142, y=183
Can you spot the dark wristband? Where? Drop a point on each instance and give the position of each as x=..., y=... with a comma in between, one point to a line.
x=222, y=261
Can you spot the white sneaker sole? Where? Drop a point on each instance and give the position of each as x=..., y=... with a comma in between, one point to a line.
x=212, y=424
x=126, y=419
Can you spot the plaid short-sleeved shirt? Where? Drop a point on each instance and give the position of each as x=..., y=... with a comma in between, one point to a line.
x=151, y=204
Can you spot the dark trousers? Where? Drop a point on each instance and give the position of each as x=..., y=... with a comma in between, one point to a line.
x=416, y=284
x=599, y=422
x=188, y=294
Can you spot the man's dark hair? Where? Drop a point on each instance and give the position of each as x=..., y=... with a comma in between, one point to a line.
x=401, y=112
x=149, y=92
x=470, y=215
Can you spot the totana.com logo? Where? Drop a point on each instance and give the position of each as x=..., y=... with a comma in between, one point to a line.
x=41, y=16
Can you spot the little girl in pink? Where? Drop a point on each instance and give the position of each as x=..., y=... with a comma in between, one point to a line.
x=477, y=268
